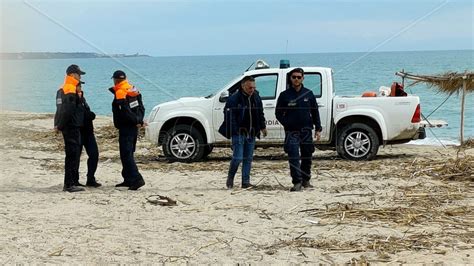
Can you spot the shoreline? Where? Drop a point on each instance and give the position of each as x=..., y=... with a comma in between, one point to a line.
x=62, y=55
x=449, y=143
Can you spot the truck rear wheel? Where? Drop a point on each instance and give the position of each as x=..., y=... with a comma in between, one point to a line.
x=357, y=142
x=184, y=143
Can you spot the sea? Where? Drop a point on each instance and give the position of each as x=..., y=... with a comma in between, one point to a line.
x=30, y=85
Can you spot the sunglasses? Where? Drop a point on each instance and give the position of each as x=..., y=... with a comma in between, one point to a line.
x=296, y=77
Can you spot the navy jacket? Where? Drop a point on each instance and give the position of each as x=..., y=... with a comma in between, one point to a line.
x=239, y=110
x=69, y=111
x=128, y=112
x=298, y=110
x=89, y=116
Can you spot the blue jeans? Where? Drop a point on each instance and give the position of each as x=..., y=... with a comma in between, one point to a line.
x=300, y=164
x=242, y=147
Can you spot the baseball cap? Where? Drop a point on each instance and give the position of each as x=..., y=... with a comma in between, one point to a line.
x=119, y=74
x=74, y=69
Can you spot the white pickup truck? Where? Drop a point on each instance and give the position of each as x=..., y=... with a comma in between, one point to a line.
x=353, y=125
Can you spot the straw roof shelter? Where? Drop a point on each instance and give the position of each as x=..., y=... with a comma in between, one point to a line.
x=450, y=82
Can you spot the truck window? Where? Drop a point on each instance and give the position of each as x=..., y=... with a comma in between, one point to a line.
x=313, y=82
x=267, y=86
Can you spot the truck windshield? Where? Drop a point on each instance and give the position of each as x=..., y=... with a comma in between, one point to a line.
x=226, y=86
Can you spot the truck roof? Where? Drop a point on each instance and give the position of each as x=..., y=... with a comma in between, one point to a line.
x=277, y=70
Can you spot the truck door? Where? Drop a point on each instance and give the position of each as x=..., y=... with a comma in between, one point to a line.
x=218, y=110
x=267, y=85
x=314, y=82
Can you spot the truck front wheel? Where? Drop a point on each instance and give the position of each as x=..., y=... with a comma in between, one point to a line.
x=207, y=150
x=183, y=143
x=357, y=142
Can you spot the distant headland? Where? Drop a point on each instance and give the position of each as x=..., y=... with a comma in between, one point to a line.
x=58, y=55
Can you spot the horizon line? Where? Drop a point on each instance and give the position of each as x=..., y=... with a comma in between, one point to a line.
x=249, y=54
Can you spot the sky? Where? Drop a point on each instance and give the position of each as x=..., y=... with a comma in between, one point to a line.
x=200, y=27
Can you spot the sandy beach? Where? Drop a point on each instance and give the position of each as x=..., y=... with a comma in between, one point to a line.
x=413, y=204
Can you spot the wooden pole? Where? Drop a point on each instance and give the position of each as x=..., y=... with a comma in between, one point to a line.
x=464, y=87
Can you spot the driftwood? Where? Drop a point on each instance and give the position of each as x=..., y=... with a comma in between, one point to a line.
x=57, y=252
x=161, y=200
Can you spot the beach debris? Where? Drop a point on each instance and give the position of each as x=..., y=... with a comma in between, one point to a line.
x=161, y=200
x=418, y=204
x=313, y=221
x=95, y=227
x=102, y=202
x=264, y=215
x=302, y=234
x=361, y=261
x=469, y=143
x=219, y=241
x=422, y=205
x=377, y=243
x=57, y=253
x=453, y=169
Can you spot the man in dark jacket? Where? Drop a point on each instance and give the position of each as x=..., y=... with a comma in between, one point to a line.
x=128, y=111
x=244, y=116
x=297, y=111
x=88, y=141
x=69, y=119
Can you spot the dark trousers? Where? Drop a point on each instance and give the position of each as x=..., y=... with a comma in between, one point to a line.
x=299, y=146
x=72, y=147
x=127, y=143
x=90, y=145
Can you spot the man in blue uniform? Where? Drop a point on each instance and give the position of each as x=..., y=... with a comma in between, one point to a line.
x=297, y=111
x=128, y=112
x=69, y=119
x=88, y=141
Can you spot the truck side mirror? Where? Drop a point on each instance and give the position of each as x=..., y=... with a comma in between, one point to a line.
x=224, y=96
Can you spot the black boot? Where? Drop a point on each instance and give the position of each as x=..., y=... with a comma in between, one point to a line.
x=123, y=184
x=296, y=187
x=73, y=189
x=247, y=185
x=136, y=185
x=91, y=182
x=307, y=184
x=77, y=184
x=230, y=183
